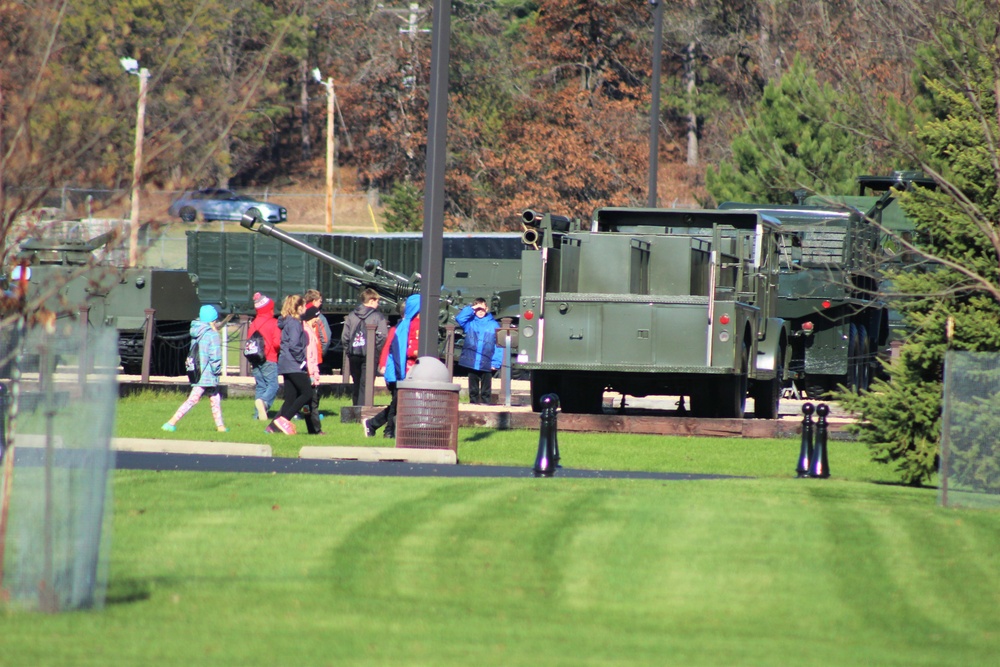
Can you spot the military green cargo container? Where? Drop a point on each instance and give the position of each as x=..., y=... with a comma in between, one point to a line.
x=231, y=266
x=653, y=302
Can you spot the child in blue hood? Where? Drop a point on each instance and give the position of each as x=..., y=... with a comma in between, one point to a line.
x=204, y=332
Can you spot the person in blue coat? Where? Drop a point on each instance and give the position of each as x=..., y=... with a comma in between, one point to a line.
x=205, y=333
x=398, y=356
x=480, y=353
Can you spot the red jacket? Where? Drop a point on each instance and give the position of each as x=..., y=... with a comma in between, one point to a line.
x=267, y=325
x=412, y=346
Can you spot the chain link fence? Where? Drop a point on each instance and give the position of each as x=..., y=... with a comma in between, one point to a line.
x=58, y=394
x=970, y=451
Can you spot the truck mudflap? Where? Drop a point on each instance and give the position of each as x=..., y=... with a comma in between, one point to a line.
x=772, y=352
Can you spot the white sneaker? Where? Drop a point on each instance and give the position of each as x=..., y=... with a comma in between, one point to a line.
x=261, y=409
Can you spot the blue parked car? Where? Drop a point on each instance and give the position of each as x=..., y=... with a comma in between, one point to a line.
x=219, y=204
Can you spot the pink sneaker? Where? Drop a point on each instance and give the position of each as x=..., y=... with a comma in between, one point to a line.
x=285, y=426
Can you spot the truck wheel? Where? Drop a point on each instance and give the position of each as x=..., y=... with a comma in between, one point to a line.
x=701, y=402
x=188, y=214
x=853, y=359
x=767, y=394
x=817, y=386
x=864, y=374
x=733, y=391
x=542, y=382
x=581, y=396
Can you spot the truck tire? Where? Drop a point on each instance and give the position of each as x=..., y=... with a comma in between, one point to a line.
x=542, y=382
x=581, y=395
x=188, y=214
x=767, y=393
x=732, y=391
x=864, y=373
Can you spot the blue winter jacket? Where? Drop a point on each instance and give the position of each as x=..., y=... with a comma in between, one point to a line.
x=479, y=350
x=209, y=353
x=395, y=364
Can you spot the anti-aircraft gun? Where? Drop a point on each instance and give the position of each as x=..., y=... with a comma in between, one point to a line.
x=76, y=276
x=496, y=280
x=653, y=302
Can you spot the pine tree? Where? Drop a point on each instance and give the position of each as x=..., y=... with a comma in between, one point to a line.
x=795, y=139
x=957, y=232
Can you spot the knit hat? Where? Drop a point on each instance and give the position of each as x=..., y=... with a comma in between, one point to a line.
x=208, y=314
x=259, y=300
x=311, y=312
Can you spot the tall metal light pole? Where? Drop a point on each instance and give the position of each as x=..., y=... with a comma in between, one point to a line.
x=331, y=97
x=132, y=67
x=437, y=130
x=654, y=108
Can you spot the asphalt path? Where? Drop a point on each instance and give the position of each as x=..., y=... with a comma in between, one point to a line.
x=264, y=465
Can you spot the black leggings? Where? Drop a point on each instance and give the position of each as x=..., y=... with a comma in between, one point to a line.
x=298, y=393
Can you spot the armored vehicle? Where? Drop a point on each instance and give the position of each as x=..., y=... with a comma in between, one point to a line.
x=829, y=294
x=653, y=302
x=70, y=277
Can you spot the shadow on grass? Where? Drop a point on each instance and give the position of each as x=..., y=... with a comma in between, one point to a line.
x=125, y=591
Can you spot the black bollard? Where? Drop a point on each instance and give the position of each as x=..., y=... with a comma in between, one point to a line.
x=548, y=449
x=806, y=452
x=820, y=466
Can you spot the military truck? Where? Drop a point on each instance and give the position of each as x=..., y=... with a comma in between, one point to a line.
x=653, y=302
x=834, y=250
x=70, y=276
x=829, y=294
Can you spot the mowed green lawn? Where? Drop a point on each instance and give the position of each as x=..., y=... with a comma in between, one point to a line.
x=228, y=569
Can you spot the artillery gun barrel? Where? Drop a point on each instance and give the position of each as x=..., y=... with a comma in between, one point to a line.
x=389, y=285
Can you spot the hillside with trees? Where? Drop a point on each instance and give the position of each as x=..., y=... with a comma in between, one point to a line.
x=549, y=101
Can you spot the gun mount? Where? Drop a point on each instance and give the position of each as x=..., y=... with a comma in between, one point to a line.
x=545, y=229
x=391, y=286
x=496, y=280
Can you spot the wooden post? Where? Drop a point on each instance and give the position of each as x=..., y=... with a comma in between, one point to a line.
x=147, y=343
x=244, y=364
x=370, y=363
x=83, y=365
x=449, y=348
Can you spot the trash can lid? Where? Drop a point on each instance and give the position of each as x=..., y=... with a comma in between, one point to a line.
x=428, y=373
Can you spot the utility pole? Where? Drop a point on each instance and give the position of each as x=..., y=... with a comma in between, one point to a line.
x=132, y=67
x=331, y=97
x=654, y=108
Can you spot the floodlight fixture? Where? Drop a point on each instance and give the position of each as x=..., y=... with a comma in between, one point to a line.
x=131, y=65
x=316, y=75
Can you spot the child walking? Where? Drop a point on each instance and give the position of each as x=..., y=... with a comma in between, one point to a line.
x=204, y=333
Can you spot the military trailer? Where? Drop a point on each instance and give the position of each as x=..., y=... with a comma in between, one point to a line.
x=653, y=302
x=829, y=294
x=71, y=277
